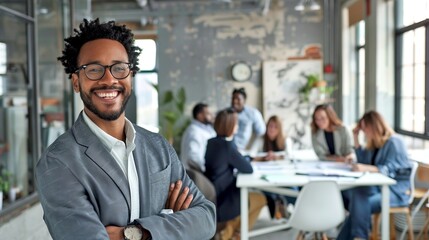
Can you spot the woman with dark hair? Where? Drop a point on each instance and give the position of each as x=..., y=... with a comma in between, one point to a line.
x=385, y=153
x=330, y=138
x=222, y=157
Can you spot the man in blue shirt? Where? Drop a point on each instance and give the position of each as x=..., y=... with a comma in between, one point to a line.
x=194, y=140
x=250, y=120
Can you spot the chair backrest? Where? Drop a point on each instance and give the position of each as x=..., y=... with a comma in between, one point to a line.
x=414, y=166
x=319, y=207
x=203, y=183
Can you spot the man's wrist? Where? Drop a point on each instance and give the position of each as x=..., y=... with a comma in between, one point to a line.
x=136, y=231
x=146, y=235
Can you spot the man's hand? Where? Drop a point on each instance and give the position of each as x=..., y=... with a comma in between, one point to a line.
x=178, y=200
x=115, y=233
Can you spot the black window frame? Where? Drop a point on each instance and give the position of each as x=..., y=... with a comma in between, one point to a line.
x=399, y=32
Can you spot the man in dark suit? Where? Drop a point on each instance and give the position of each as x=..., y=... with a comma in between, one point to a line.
x=107, y=178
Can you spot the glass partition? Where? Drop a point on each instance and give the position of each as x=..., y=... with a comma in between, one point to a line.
x=16, y=154
x=54, y=85
x=19, y=6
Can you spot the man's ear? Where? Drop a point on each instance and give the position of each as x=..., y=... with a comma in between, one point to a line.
x=75, y=82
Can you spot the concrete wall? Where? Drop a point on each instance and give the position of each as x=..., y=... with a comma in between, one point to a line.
x=196, y=51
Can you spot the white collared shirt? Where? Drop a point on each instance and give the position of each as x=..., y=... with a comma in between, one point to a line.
x=194, y=143
x=122, y=153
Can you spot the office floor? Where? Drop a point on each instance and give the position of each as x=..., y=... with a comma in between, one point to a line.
x=264, y=220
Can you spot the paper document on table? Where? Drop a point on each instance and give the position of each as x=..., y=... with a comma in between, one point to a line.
x=329, y=173
x=263, y=154
x=275, y=178
x=304, y=155
x=335, y=165
x=272, y=166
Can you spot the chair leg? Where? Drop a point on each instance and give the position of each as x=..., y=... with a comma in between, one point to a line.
x=425, y=227
x=392, y=227
x=324, y=237
x=424, y=231
x=375, y=226
x=300, y=236
x=410, y=227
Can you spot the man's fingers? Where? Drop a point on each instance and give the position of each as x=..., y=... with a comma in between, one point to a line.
x=174, y=194
x=170, y=190
x=187, y=202
x=181, y=199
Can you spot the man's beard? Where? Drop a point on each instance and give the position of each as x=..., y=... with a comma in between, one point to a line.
x=108, y=116
x=207, y=122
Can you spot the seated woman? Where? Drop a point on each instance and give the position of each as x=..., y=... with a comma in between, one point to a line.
x=222, y=158
x=330, y=138
x=274, y=140
x=384, y=153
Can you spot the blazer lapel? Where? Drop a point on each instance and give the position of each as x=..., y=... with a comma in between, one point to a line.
x=142, y=167
x=99, y=155
x=322, y=140
x=337, y=142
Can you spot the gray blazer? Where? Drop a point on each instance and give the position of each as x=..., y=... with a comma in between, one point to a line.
x=342, y=142
x=82, y=189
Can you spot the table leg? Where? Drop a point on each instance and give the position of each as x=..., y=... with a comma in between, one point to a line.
x=244, y=195
x=385, y=205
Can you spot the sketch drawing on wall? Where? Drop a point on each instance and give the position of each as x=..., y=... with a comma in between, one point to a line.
x=281, y=83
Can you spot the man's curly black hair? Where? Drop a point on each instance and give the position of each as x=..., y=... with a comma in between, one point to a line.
x=93, y=30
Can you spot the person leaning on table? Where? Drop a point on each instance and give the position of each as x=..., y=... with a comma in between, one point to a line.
x=331, y=140
x=222, y=158
x=107, y=178
x=384, y=153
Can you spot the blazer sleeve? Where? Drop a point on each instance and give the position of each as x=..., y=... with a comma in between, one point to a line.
x=317, y=146
x=196, y=222
x=347, y=146
x=237, y=160
x=363, y=155
x=68, y=213
x=394, y=158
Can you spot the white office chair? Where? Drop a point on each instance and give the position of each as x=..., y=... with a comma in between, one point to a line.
x=319, y=207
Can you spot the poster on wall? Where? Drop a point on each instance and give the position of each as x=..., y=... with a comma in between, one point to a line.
x=281, y=82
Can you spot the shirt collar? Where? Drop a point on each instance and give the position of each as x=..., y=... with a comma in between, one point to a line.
x=107, y=139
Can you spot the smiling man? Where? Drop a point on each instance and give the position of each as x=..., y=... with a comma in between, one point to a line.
x=107, y=178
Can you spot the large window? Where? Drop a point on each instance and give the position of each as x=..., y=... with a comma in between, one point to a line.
x=412, y=72
x=360, y=68
x=353, y=80
x=33, y=95
x=17, y=77
x=146, y=85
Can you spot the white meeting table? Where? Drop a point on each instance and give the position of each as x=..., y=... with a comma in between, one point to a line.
x=254, y=181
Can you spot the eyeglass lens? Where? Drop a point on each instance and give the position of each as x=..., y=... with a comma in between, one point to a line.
x=97, y=71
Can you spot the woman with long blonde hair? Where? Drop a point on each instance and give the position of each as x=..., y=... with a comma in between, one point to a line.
x=385, y=153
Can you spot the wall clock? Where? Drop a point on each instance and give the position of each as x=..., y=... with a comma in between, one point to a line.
x=241, y=71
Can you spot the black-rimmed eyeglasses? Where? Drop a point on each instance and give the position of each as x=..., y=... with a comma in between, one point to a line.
x=95, y=71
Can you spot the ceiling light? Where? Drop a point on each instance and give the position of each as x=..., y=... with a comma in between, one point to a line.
x=314, y=6
x=307, y=4
x=300, y=6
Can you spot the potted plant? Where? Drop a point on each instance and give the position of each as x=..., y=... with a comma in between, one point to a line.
x=314, y=85
x=174, y=121
x=4, y=185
